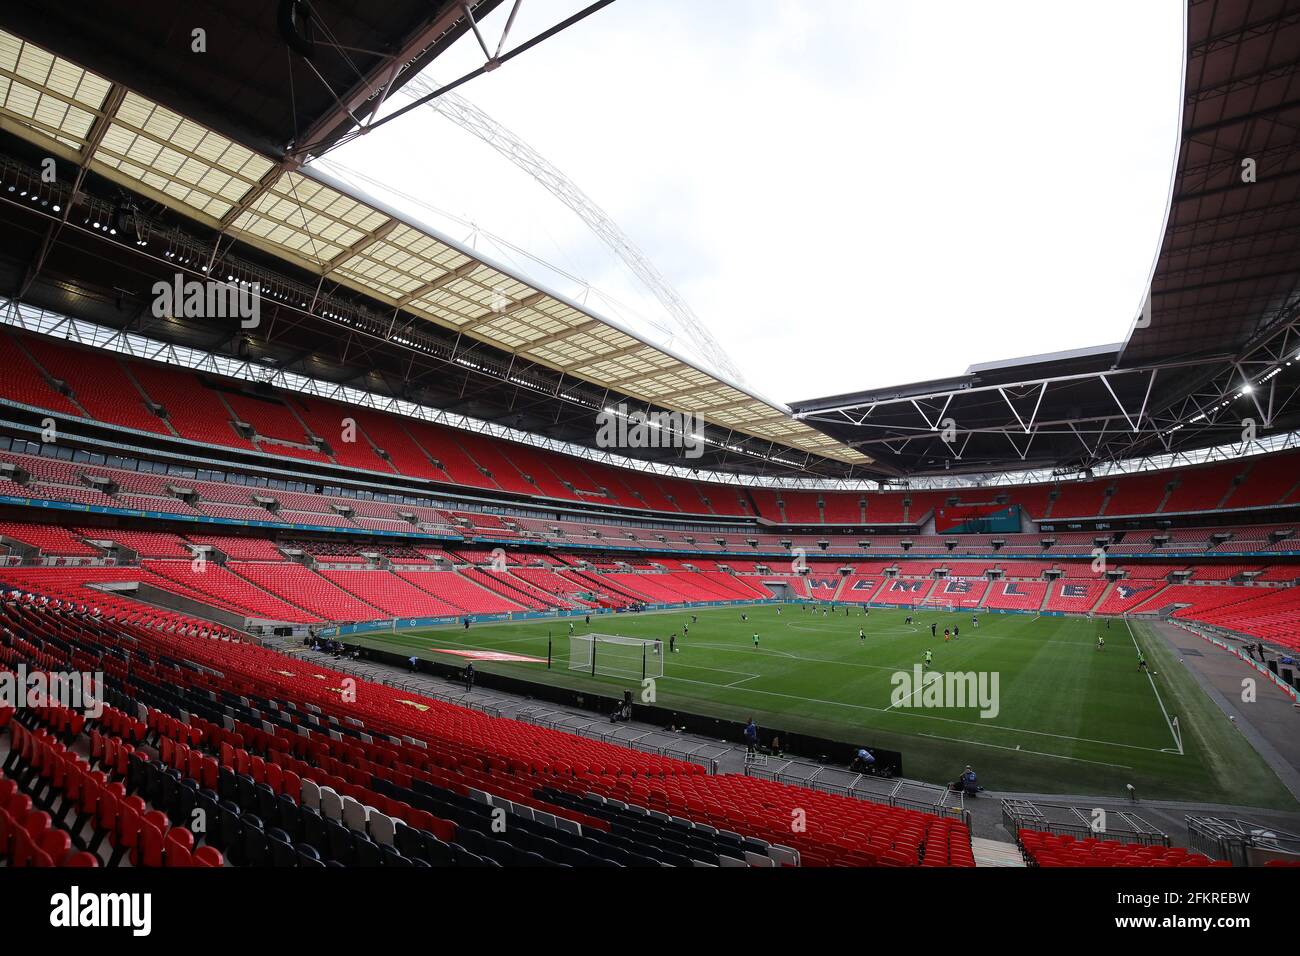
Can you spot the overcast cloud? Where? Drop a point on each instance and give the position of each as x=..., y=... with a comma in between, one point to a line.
x=849, y=193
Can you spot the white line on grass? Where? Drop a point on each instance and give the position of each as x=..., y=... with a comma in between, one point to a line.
x=481, y=646
x=1173, y=733
x=717, y=670
x=909, y=696
x=797, y=657
x=836, y=703
x=1017, y=750
x=896, y=630
x=747, y=650
x=950, y=720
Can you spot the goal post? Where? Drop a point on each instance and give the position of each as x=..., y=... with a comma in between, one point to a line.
x=608, y=655
x=937, y=604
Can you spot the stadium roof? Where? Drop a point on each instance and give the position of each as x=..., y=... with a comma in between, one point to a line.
x=269, y=201
x=1230, y=260
x=239, y=86
x=1217, y=352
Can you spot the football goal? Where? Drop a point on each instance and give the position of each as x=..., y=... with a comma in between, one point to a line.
x=937, y=604
x=608, y=655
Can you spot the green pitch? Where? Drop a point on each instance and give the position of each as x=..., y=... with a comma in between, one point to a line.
x=1069, y=718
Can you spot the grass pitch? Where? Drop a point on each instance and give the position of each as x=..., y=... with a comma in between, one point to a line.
x=1071, y=719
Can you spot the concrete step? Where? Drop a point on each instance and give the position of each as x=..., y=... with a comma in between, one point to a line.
x=996, y=853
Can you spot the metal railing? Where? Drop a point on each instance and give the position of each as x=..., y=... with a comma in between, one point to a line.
x=904, y=794
x=1240, y=842
x=379, y=674
x=1082, y=823
x=703, y=754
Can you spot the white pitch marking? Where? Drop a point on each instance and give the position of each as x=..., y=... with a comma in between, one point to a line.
x=1037, y=753
x=1178, y=743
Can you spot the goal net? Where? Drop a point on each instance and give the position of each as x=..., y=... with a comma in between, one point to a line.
x=610, y=656
x=937, y=604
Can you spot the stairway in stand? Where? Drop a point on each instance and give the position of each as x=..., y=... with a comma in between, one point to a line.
x=996, y=853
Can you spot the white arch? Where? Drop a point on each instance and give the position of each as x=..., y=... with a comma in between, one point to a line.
x=473, y=120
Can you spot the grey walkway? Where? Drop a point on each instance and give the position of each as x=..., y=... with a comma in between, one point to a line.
x=1271, y=722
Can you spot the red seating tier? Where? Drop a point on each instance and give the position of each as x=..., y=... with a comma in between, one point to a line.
x=1047, y=849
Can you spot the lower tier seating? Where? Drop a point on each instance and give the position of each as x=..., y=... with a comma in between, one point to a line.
x=1048, y=849
x=292, y=770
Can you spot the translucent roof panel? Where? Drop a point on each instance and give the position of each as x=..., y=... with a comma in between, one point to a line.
x=48, y=94
x=305, y=218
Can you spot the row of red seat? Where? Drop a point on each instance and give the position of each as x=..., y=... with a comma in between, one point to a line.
x=54, y=479
x=29, y=838
x=129, y=825
x=123, y=392
x=294, y=593
x=491, y=751
x=119, y=391
x=1049, y=849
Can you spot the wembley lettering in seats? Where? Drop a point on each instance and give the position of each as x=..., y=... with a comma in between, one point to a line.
x=909, y=587
x=1127, y=591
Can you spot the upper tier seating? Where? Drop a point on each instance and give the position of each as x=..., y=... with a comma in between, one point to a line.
x=1033, y=500
x=202, y=409
x=884, y=508
x=349, y=443
x=1079, y=499
x=269, y=417
x=193, y=409
x=99, y=383
x=842, y=508
x=1202, y=488
x=1138, y=494
x=23, y=382
x=1268, y=481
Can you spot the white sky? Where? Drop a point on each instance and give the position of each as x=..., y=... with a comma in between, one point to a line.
x=849, y=193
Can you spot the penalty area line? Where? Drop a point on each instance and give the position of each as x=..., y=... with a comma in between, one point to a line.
x=1019, y=750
